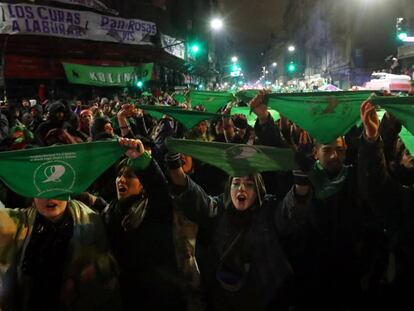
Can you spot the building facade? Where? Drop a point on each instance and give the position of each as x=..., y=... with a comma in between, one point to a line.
x=29, y=61
x=336, y=41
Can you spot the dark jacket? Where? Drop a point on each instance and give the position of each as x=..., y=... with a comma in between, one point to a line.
x=340, y=245
x=268, y=134
x=140, y=231
x=240, y=254
x=394, y=207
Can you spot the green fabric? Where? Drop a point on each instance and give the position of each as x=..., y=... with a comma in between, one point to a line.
x=234, y=159
x=325, y=115
x=188, y=118
x=107, y=76
x=405, y=135
x=246, y=95
x=251, y=117
x=324, y=186
x=400, y=107
x=140, y=163
x=57, y=172
x=179, y=98
x=408, y=139
x=212, y=101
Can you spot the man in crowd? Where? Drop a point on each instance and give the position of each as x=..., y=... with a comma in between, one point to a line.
x=392, y=198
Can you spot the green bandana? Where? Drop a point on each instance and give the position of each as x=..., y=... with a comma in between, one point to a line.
x=324, y=186
x=179, y=98
x=188, y=118
x=400, y=107
x=212, y=101
x=57, y=172
x=234, y=159
x=325, y=115
x=251, y=117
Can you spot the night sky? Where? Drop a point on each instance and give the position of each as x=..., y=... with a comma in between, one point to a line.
x=249, y=23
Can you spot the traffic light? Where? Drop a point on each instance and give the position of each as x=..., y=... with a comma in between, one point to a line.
x=291, y=67
x=401, y=27
x=235, y=67
x=194, y=48
x=139, y=84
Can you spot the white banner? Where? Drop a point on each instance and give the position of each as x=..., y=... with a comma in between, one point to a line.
x=173, y=46
x=93, y=4
x=29, y=19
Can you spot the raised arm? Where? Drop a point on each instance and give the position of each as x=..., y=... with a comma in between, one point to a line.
x=190, y=197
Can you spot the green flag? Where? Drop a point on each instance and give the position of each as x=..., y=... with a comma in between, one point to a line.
x=251, y=117
x=400, y=107
x=212, y=101
x=405, y=135
x=57, y=172
x=234, y=159
x=188, y=118
x=246, y=95
x=179, y=98
x=108, y=76
x=325, y=115
x=408, y=139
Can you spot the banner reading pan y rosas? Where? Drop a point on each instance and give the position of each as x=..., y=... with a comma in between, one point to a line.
x=107, y=76
x=28, y=19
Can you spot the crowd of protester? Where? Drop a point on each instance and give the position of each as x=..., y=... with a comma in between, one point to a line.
x=163, y=231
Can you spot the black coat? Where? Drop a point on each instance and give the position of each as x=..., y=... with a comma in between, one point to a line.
x=393, y=204
x=140, y=231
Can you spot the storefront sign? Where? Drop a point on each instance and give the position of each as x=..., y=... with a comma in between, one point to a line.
x=27, y=19
x=93, y=4
x=173, y=46
x=107, y=76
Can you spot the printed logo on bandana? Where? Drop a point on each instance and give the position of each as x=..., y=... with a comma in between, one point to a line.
x=54, y=176
x=242, y=152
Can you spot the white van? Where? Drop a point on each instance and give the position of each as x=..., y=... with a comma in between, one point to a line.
x=382, y=81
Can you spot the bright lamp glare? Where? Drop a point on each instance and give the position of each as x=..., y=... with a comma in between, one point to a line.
x=216, y=24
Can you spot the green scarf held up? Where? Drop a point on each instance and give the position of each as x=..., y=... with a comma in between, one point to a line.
x=212, y=101
x=401, y=108
x=188, y=118
x=57, y=172
x=251, y=117
x=325, y=115
x=235, y=159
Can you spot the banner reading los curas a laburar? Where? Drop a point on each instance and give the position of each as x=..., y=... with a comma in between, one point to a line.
x=39, y=20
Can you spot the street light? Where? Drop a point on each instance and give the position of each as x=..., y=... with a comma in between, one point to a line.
x=234, y=59
x=291, y=48
x=216, y=23
x=274, y=64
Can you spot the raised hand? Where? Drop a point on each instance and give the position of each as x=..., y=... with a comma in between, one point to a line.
x=370, y=121
x=135, y=147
